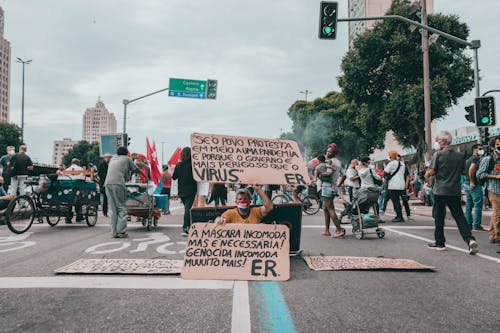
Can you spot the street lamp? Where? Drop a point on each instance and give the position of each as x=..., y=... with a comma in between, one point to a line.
x=24, y=62
x=306, y=92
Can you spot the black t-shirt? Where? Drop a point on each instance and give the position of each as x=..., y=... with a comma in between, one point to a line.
x=473, y=159
x=102, y=172
x=186, y=183
x=19, y=164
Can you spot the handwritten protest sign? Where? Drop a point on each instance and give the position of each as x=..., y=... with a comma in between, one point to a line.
x=122, y=266
x=334, y=263
x=237, y=252
x=234, y=159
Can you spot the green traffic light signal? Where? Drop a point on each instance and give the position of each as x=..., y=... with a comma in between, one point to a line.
x=327, y=30
x=328, y=20
x=485, y=120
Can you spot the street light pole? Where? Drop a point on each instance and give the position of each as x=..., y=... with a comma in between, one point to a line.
x=162, y=143
x=127, y=102
x=427, y=85
x=306, y=92
x=27, y=62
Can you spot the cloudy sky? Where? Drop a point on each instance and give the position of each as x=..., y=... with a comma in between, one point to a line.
x=263, y=53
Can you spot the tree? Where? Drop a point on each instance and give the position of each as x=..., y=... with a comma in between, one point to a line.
x=84, y=151
x=384, y=72
x=10, y=135
x=331, y=119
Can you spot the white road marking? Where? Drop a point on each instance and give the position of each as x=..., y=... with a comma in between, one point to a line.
x=240, y=317
x=119, y=282
x=448, y=246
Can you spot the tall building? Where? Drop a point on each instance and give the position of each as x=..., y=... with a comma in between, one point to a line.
x=98, y=121
x=367, y=8
x=4, y=71
x=61, y=148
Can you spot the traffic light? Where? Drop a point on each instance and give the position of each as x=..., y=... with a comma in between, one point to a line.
x=211, y=89
x=470, y=114
x=328, y=20
x=125, y=140
x=485, y=111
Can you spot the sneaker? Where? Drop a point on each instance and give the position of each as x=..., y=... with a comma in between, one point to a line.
x=124, y=235
x=473, y=247
x=184, y=233
x=434, y=246
x=397, y=220
x=480, y=228
x=410, y=219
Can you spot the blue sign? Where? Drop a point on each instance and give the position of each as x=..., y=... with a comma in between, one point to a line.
x=109, y=143
x=175, y=93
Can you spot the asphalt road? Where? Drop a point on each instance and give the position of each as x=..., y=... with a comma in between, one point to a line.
x=461, y=295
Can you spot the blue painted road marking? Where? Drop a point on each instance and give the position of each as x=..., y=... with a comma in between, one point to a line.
x=272, y=312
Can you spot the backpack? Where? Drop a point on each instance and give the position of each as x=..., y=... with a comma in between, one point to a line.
x=491, y=165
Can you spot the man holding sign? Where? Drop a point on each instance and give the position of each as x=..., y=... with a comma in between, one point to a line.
x=243, y=213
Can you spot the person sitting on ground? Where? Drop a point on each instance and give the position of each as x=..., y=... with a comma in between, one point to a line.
x=243, y=213
x=4, y=197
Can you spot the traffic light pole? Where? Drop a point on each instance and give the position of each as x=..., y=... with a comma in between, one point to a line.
x=127, y=102
x=474, y=45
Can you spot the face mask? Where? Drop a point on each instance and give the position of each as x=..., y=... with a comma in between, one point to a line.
x=11, y=152
x=243, y=204
x=436, y=145
x=372, y=166
x=480, y=152
x=498, y=149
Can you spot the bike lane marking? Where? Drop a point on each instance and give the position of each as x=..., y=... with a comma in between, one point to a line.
x=17, y=241
x=272, y=313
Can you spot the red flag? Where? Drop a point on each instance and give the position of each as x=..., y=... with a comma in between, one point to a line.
x=176, y=156
x=153, y=162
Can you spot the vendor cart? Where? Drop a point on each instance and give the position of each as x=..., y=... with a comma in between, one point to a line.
x=140, y=203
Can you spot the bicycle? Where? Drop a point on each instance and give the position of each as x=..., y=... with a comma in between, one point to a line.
x=310, y=203
x=22, y=211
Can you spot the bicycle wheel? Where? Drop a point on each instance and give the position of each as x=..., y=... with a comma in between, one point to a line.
x=280, y=199
x=91, y=215
x=20, y=214
x=53, y=215
x=310, y=205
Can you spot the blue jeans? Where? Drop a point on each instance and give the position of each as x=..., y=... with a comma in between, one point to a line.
x=474, y=200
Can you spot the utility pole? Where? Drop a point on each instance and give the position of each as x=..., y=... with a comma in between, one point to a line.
x=306, y=92
x=427, y=85
x=162, y=143
x=27, y=62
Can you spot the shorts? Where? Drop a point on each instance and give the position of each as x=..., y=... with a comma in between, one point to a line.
x=327, y=191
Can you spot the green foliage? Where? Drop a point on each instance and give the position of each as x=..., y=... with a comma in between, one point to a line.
x=85, y=152
x=384, y=72
x=331, y=119
x=288, y=136
x=10, y=135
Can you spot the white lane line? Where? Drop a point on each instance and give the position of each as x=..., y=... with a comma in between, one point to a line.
x=240, y=317
x=497, y=260
x=383, y=226
x=119, y=282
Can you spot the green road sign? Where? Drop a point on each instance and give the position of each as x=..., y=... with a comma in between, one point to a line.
x=187, y=88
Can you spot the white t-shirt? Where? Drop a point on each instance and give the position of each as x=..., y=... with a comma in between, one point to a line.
x=397, y=182
x=351, y=172
x=366, y=177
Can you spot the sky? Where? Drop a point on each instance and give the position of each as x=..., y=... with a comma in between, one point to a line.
x=263, y=54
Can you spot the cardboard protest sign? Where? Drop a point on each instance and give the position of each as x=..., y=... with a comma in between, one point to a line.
x=234, y=159
x=122, y=266
x=237, y=252
x=334, y=263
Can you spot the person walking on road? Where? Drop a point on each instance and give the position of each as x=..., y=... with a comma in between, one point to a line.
x=187, y=186
x=119, y=169
x=396, y=184
x=447, y=165
x=473, y=190
x=489, y=171
x=166, y=185
x=4, y=162
x=352, y=181
x=102, y=172
x=20, y=165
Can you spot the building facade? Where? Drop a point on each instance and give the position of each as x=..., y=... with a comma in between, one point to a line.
x=98, y=121
x=61, y=148
x=4, y=72
x=367, y=8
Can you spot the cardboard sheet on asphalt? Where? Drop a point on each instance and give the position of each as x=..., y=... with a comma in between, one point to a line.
x=336, y=263
x=122, y=266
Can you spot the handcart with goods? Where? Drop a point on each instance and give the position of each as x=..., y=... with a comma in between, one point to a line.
x=141, y=204
x=50, y=198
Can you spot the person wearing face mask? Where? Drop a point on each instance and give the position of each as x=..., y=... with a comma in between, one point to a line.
x=473, y=190
x=448, y=165
x=367, y=174
x=4, y=162
x=243, y=213
x=489, y=172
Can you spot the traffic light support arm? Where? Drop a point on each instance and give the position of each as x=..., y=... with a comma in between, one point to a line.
x=128, y=101
x=490, y=91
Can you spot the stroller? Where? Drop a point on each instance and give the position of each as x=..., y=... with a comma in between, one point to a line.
x=363, y=222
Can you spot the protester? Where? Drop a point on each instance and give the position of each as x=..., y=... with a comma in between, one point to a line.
x=366, y=173
x=489, y=171
x=20, y=165
x=119, y=169
x=142, y=164
x=352, y=180
x=102, y=172
x=329, y=189
x=166, y=184
x=75, y=166
x=243, y=213
x=187, y=185
x=395, y=179
x=4, y=163
x=405, y=195
x=473, y=190
x=447, y=165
